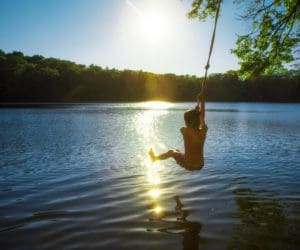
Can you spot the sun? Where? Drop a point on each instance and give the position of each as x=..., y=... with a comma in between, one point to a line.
x=153, y=22
x=154, y=27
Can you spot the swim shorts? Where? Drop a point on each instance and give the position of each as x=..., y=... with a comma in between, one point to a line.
x=180, y=160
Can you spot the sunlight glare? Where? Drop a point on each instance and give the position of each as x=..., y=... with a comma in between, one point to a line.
x=146, y=129
x=153, y=177
x=153, y=27
x=155, y=193
x=157, y=209
x=156, y=105
x=154, y=21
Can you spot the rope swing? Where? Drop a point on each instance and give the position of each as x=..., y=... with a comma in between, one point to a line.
x=210, y=49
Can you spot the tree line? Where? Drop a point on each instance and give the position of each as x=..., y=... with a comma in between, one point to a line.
x=39, y=79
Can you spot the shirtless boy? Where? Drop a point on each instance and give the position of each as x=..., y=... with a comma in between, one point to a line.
x=194, y=135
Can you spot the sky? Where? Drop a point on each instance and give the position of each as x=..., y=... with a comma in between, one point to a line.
x=148, y=35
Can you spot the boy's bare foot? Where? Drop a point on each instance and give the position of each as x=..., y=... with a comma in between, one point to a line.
x=152, y=155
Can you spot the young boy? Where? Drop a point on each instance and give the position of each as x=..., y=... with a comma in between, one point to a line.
x=194, y=135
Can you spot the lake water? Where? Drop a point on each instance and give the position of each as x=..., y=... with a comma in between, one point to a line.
x=79, y=177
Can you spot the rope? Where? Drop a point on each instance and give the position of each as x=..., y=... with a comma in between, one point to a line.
x=210, y=49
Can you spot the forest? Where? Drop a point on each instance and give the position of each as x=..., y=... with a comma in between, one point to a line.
x=39, y=79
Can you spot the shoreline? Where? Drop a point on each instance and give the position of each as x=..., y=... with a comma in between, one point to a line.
x=43, y=104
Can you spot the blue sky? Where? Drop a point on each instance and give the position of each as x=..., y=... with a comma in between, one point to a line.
x=149, y=35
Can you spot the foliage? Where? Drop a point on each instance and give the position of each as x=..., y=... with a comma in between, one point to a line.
x=39, y=79
x=274, y=35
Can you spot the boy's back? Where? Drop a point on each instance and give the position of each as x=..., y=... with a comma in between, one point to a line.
x=193, y=144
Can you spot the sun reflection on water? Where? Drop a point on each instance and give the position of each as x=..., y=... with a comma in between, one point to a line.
x=157, y=209
x=156, y=105
x=146, y=126
x=155, y=193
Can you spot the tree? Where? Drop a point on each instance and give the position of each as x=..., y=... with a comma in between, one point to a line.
x=39, y=79
x=274, y=36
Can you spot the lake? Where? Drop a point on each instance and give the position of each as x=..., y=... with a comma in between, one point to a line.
x=79, y=177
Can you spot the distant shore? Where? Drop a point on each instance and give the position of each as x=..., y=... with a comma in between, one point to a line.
x=60, y=104
x=36, y=79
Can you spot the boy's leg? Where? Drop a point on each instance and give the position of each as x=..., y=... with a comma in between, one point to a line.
x=178, y=156
x=163, y=156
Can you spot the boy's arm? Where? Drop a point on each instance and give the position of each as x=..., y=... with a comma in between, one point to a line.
x=202, y=109
x=182, y=130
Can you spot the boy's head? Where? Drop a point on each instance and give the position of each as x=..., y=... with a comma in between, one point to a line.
x=191, y=118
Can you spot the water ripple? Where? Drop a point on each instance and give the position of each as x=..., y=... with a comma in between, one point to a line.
x=79, y=177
